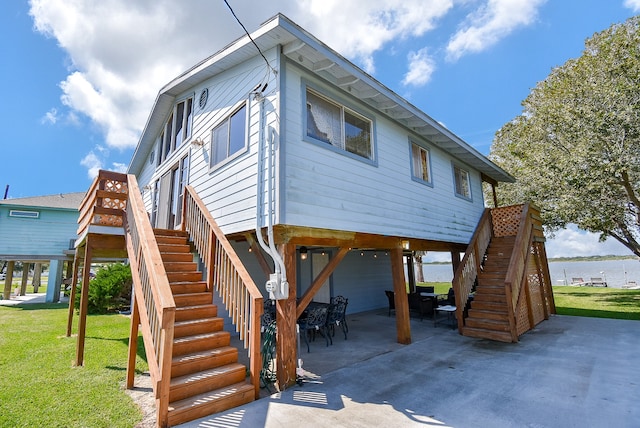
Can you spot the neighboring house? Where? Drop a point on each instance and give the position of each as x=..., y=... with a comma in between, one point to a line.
x=39, y=229
x=292, y=163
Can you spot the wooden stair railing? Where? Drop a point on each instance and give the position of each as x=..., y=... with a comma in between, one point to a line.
x=467, y=272
x=228, y=276
x=153, y=308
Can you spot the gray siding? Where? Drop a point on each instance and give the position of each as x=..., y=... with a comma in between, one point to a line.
x=328, y=190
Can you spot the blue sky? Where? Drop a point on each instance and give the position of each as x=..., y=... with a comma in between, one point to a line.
x=80, y=77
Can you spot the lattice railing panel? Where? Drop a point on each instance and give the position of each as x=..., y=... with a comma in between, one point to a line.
x=506, y=220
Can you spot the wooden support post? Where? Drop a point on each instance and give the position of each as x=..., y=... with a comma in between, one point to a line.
x=259, y=255
x=455, y=260
x=25, y=278
x=37, y=277
x=72, y=293
x=401, y=302
x=8, y=280
x=133, y=343
x=286, y=334
x=84, y=304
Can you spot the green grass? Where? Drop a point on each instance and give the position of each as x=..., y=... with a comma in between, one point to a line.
x=39, y=385
x=597, y=302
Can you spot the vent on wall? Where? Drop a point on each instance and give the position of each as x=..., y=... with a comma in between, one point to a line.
x=24, y=214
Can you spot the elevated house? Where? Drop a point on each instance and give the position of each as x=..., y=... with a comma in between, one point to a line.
x=289, y=174
x=38, y=230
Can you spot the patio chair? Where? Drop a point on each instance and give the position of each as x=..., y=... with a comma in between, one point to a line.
x=392, y=300
x=316, y=320
x=449, y=300
x=424, y=305
x=336, y=316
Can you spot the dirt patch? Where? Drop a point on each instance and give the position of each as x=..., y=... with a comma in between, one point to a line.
x=142, y=395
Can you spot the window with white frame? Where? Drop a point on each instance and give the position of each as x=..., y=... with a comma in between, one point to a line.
x=229, y=137
x=177, y=129
x=420, y=163
x=335, y=124
x=462, y=182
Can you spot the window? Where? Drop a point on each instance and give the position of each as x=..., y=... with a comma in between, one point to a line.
x=462, y=182
x=177, y=129
x=338, y=126
x=24, y=214
x=229, y=137
x=420, y=163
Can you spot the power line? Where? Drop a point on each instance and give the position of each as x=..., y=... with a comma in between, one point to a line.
x=250, y=38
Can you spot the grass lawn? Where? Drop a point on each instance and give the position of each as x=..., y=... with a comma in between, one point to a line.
x=597, y=302
x=39, y=386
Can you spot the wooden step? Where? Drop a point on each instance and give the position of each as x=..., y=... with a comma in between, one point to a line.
x=184, y=276
x=499, y=336
x=174, y=248
x=487, y=324
x=176, y=257
x=489, y=297
x=483, y=314
x=189, y=266
x=203, y=360
x=489, y=306
x=197, y=326
x=200, y=342
x=210, y=402
x=207, y=380
x=170, y=232
x=192, y=299
x=188, y=312
x=188, y=287
x=173, y=240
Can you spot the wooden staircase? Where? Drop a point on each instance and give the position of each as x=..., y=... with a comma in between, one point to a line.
x=206, y=377
x=488, y=313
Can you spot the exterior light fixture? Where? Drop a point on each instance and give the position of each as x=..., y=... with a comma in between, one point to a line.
x=303, y=253
x=405, y=245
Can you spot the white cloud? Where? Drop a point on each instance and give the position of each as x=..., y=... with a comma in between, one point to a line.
x=50, y=117
x=120, y=53
x=491, y=23
x=572, y=242
x=119, y=167
x=421, y=67
x=92, y=163
x=632, y=4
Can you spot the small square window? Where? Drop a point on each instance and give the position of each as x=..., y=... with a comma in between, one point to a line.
x=24, y=214
x=462, y=182
x=420, y=163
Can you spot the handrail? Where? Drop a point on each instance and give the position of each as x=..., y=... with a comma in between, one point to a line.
x=228, y=275
x=152, y=295
x=467, y=271
x=516, y=272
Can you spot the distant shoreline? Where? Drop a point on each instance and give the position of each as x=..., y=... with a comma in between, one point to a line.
x=567, y=259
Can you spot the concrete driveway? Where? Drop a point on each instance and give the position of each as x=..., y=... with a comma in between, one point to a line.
x=568, y=372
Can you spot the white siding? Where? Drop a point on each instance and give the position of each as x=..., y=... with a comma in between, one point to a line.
x=229, y=191
x=328, y=190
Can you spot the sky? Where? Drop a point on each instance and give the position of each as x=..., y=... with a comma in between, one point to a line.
x=80, y=77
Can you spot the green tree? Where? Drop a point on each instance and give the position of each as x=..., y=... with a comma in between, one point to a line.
x=575, y=149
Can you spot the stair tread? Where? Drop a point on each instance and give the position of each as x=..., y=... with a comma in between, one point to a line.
x=213, y=352
x=203, y=375
x=199, y=336
x=210, y=402
x=481, y=333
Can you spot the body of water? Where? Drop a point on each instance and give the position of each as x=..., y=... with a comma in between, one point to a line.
x=615, y=272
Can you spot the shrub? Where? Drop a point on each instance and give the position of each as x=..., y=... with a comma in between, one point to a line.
x=110, y=290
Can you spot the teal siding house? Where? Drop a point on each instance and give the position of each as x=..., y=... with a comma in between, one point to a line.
x=39, y=229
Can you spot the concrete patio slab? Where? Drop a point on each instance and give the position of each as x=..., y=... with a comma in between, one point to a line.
x=567, y=372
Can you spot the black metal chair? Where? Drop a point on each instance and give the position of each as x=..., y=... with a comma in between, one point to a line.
x=392, y=300
x=336, y=316
x=316, y=320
